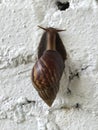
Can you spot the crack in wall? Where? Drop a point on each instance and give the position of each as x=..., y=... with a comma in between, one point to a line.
x=16, y=109
x=16, y=61
x=77, y=72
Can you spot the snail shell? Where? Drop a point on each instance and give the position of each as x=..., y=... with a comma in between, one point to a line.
x=47, y=71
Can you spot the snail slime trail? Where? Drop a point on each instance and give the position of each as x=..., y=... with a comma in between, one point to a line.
x=48, y=69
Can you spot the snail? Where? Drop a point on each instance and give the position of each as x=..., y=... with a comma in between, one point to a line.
x=48, y=69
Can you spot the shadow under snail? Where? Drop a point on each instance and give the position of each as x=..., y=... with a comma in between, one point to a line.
x=48, y=69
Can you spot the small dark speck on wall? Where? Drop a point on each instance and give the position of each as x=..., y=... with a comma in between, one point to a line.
x=62, y=6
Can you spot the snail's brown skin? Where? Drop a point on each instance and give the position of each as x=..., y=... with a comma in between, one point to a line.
x=47, y=71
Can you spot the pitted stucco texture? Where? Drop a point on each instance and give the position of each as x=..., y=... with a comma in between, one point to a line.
x=20, y=106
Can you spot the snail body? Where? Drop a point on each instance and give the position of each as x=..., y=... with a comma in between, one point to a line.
x=48, y=70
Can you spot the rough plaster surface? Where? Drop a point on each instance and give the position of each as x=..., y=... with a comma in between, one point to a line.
x=19, y=39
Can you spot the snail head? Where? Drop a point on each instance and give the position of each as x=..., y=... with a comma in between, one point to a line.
x=50, y=29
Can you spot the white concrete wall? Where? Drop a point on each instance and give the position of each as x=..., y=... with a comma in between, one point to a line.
x=19, y=39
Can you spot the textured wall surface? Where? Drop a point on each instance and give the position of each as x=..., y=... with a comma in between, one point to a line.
x=19, y=39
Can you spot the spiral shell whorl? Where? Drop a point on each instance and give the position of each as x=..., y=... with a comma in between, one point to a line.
x=46, y=75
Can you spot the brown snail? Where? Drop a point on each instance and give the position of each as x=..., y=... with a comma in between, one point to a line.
x=47, y=71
